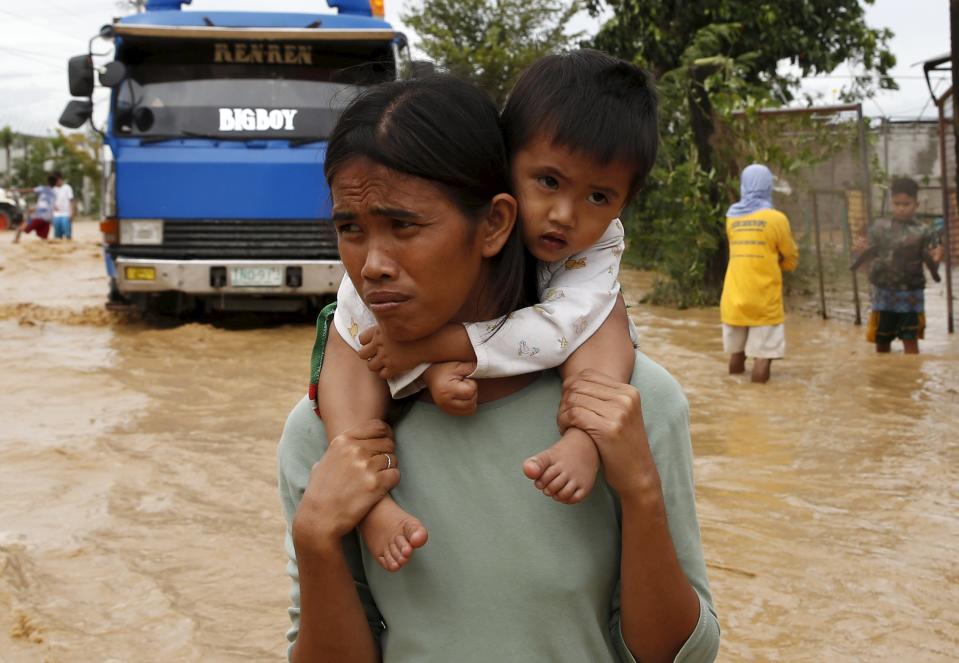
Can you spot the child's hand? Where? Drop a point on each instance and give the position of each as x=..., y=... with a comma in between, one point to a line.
x=860, y=244
x=385, y=357
x=451, y=389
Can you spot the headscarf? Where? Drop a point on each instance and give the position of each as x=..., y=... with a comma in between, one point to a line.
x=755, y=189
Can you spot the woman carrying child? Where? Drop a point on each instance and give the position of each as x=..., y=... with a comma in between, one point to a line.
x=418, y=176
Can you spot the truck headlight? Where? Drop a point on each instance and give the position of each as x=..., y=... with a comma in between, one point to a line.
x=141, y=231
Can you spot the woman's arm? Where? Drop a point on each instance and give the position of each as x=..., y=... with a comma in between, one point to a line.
x=333, y=625
x=664, y=595
x=325, y=492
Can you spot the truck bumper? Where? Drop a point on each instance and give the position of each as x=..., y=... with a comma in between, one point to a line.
x=214, y=277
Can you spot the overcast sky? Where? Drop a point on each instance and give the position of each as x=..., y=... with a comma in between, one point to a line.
x=39, y=35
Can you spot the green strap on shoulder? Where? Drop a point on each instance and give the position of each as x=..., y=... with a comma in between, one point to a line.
x=324, y=322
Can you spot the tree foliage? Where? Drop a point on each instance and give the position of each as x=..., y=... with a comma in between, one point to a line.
x=7, y=136
x=712, y=59
x=76, y=155
x=491, y=41
x=815, y=36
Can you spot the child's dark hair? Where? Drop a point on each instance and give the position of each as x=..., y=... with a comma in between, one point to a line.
x=589, y=102
x=905, y=185
x=444, y=130
x=51, y=180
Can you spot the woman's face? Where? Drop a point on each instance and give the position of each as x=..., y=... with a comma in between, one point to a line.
x=415, y=258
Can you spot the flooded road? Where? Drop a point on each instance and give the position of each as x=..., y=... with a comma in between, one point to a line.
x=139, y=519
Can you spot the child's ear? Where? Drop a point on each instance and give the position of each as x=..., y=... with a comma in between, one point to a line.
x=498, y=224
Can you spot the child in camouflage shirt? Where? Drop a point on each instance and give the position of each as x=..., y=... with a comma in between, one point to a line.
x=898, y=248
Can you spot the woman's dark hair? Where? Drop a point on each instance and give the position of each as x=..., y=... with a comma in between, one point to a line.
x=444, y=130
x=589, y=102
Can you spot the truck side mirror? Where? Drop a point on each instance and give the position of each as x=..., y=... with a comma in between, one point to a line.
x=422, y=68
x=76, y=113
x=80, y=75
x=143, y=119
x=113, y=74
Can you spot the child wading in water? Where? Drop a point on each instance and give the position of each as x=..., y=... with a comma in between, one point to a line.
x=898, y=248
x=582, y=136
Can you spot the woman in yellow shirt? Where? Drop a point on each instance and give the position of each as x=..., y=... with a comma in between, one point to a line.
x=761, y=248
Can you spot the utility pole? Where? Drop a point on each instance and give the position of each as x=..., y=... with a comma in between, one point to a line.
x=954, y=38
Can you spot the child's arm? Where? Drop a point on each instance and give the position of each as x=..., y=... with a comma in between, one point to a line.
x=608, y=351
x=351, y=319
x=389, y=358
x=576, y=301
x=347, y=393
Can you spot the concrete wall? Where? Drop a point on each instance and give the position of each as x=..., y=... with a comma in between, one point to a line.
x=910, y=149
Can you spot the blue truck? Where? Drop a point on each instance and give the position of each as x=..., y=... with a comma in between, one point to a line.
x=214, y=194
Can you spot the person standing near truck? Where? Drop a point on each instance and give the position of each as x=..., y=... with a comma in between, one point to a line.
x=40, y=215
x=761, y=248
x=64, y=209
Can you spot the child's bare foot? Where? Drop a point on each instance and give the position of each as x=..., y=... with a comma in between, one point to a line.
x=567, y=470
x=391, y=535
x=452, y=391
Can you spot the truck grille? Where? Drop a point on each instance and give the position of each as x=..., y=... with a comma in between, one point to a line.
x=306, y=239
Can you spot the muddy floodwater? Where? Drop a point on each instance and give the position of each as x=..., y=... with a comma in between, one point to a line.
x=139, y=519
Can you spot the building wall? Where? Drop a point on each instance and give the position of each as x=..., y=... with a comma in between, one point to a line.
x=909, y=149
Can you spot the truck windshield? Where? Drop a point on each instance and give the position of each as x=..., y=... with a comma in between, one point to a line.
x=243, y=89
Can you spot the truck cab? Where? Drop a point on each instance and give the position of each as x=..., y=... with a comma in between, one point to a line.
x=217, y=128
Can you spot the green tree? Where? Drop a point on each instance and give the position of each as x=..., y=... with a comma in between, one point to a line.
x=814, y=35
x=491, y=41
x=6, y=141
x=75, y=155
x=712, y=58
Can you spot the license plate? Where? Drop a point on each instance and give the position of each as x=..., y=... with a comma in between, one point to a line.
x=140, y=273
x=256, y=276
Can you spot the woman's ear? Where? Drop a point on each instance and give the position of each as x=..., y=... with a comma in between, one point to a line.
x=498, y=224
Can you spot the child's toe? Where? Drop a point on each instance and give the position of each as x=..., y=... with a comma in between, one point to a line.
x=535, y=466
x=415, y=533
x=565, y=494
x=403, y=545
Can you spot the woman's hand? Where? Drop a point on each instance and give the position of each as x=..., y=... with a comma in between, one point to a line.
x=385, y=357
x=611, y=413
x=357, y=470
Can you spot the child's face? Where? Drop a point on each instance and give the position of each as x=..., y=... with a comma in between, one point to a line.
x=904, y=206
x=566, y=199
